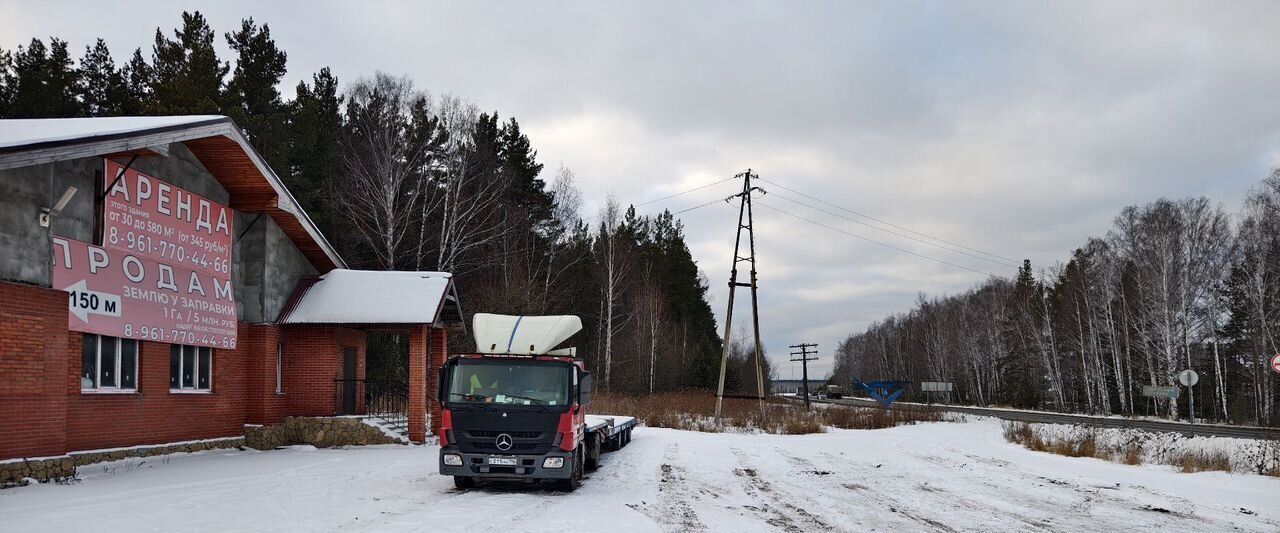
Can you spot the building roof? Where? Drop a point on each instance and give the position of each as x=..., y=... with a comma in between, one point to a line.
x=215, y=140
x=375, y=297
x=30, y=132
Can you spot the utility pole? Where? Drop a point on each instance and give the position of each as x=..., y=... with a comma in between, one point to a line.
x=804, y=365
x=744, y=213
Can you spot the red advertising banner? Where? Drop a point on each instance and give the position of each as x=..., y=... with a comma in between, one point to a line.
x=153, y=219
x=123, y=294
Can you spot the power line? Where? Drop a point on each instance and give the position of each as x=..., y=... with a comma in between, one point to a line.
x=670, y=196
x=873, y=241
x=700, y=206
x=903, y=235
x=890, y=224
x=698, y=188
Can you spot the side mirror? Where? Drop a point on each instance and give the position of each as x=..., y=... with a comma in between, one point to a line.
x=442, y=385
x=584, y=389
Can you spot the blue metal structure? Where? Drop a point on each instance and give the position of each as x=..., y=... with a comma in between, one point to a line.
x=884, y=392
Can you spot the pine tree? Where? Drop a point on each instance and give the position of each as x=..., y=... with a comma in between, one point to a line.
x=315, y=129
x=251, y=98
x=1019, y=386
x=7, y=79
x=138, y=76
x=42, y=82
x=520, y=167
x=187, y=73
x=102, y=88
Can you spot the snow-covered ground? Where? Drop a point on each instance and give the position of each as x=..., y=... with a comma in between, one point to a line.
x=927, y=477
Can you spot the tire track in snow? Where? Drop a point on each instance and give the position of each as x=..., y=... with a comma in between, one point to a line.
x=776, y=507
x=673, y=510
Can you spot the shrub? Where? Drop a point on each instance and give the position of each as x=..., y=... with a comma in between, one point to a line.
x=1202, y=462
x=695, y=410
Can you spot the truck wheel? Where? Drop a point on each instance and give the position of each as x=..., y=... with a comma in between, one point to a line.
x=626, y=437
x=593, y=454
x=575, y=478
x=464, y=482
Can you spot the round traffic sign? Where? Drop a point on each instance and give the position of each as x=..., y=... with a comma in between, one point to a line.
x=1275, y=363
x=1188, y=378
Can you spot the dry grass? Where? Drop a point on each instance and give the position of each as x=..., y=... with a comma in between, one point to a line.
x=695, y=410
x=1202, y=462
x=1132, y=454
x=846, y=417
x=1085, y=444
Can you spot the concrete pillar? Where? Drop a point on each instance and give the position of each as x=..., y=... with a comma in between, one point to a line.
x=418, y=335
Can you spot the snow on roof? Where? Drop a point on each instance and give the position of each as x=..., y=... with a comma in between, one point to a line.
x=29, y=131
x=535, y=335
x=370, y=297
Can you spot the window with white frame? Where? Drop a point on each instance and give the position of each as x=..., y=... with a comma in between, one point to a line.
x=190, y=368
x=108, y=364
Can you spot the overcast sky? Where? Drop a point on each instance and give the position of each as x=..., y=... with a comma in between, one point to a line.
x=1016, y=128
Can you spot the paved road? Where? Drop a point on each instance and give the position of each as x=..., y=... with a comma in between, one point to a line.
x=1214, y=430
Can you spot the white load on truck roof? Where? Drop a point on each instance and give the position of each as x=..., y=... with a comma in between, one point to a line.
x=525, y=335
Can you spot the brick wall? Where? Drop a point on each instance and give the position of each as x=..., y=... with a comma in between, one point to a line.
x=263, y=404
x=312, y=360
x=154, y=414
x=437, y=352
x=33, y=337
x=44, y=413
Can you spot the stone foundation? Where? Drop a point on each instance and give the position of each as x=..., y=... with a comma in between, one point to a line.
x=64, y=467
x=321, y=432
x=15, y=473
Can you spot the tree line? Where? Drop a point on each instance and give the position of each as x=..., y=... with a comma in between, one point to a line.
x=400, y=179
x=1173, y=285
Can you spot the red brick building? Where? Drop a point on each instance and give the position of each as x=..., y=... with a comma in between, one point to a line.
x=204, y=298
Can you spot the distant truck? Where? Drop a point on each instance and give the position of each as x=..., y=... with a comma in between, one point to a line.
x=835, y=392
x=516, y=409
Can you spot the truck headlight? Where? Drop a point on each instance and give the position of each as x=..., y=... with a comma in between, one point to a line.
x=452, y=459
x=553, y=462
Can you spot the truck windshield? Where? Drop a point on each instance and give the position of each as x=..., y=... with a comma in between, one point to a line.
x=513, y=382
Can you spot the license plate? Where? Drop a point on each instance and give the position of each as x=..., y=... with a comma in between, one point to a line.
x=503, y=461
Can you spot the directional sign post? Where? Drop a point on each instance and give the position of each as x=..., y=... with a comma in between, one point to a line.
x=1275, y=363
x=1188, y=378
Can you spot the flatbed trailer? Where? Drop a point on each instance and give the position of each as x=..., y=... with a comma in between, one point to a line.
x=611, y=434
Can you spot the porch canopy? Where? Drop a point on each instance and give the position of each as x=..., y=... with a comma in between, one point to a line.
x=370, y=299
x=376, y=297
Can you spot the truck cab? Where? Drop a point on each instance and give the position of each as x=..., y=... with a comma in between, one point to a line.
x=515, y=416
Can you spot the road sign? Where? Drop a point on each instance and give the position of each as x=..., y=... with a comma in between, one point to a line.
x=936, y=386
x=1275, y=363
x=1159, y=391
x=1188, y=378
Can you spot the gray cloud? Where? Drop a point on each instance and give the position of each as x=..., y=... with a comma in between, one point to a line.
x=1019, y=128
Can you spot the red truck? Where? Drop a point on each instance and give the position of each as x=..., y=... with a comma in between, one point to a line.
x=516, y=409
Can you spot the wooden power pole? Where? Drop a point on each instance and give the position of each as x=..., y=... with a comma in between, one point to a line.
x=804, y=359
x=744, y=214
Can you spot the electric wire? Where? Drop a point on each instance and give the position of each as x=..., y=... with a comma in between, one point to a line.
x=899, y=234
x=892, y=225
x=670, y=196
x=873, y=241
